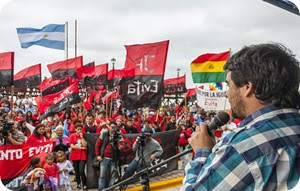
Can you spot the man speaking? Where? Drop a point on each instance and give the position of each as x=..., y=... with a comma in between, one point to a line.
x=264, y=152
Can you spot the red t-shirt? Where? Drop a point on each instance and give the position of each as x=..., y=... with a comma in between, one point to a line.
x=77, y=154
x=34, y=139
x=19, y=119
x=182, y=139
x=71, y=129
x=51, y=171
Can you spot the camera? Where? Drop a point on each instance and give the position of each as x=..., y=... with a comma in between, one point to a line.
x=116, y=137
x=142, y=140
x=6, y=126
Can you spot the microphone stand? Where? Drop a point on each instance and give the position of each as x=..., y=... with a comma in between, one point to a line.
x=148, y=170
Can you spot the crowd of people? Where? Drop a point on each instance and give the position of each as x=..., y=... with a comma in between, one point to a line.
x=67, y=128
x=262, y=154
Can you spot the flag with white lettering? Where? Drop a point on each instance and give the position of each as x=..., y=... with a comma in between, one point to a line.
x=14, y=159
x=146, y=87
x=50, y=86
x=59, y=101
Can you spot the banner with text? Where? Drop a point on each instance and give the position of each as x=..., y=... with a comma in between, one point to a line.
x=212, y=100
x=14, y=159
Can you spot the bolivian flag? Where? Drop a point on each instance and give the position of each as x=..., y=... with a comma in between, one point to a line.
x=209, y=68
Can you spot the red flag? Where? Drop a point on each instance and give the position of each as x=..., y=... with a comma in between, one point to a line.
x=65, y=68
x=93, y=75
x=147, y=59
x=50, y=86
x=92, y=71
x=174, y=85
x=190, y=92
x=174, y=81
x=111, y=95
x=61, y=100
x=100, y=93
x=30, y=76
x=88, y=103
x=42, y=104
x=115, y=76
x=6, y=68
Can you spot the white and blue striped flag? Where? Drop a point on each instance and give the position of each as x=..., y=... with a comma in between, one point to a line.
x=50, y=36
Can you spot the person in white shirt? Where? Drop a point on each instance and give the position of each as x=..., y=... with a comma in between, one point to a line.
x=230, y=126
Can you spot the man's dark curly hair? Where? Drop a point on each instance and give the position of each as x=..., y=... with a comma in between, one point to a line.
x=272, y=69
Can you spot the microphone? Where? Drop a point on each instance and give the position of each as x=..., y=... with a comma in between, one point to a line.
x=218, y=121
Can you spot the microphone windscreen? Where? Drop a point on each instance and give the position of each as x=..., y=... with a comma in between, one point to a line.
x=221, y=119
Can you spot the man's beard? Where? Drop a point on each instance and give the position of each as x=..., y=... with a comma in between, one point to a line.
x=238, y=107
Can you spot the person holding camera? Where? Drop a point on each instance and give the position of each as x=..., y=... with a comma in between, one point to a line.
x=12, y=136
x=107, y=148
x=147, y=149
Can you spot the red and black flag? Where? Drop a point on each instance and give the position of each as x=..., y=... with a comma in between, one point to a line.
x=28, y=77
x=93, y=75
x=146, y=87
x=63, y=69
x=6, y=69
x=50, y=86
x=191, y=95
x=90, y=64
x=175, y=85
x=115, y=75
x=60, y=100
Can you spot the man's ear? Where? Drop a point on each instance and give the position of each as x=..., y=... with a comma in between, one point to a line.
x=248, y=89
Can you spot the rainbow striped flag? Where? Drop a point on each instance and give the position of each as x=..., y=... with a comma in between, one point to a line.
x=209, y=67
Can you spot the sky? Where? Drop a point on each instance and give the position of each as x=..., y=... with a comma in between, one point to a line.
x=194, y=27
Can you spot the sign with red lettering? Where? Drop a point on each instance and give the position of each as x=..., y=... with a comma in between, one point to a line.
x=212, y=100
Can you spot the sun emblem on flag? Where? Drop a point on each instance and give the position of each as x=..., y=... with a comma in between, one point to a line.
x=211, y=66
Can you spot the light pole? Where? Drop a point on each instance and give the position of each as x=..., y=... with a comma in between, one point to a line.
x=113, y=60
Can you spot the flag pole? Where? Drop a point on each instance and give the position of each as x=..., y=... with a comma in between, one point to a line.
x=67, y=40
x=110, y=109
x=75, y=38
x=106, y=108
x=12, y=97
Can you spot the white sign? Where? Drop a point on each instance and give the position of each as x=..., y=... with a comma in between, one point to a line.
x=212, y=100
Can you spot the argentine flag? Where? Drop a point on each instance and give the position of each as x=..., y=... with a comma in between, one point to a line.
x=50, y=36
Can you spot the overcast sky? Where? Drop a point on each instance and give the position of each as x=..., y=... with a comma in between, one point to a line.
x=194, y=27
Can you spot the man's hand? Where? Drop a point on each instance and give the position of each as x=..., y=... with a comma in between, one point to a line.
x=99, y=158
x=137, y=139
x=9, y=136
x=120, y=147
x=201, y=139
x=152, y=157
